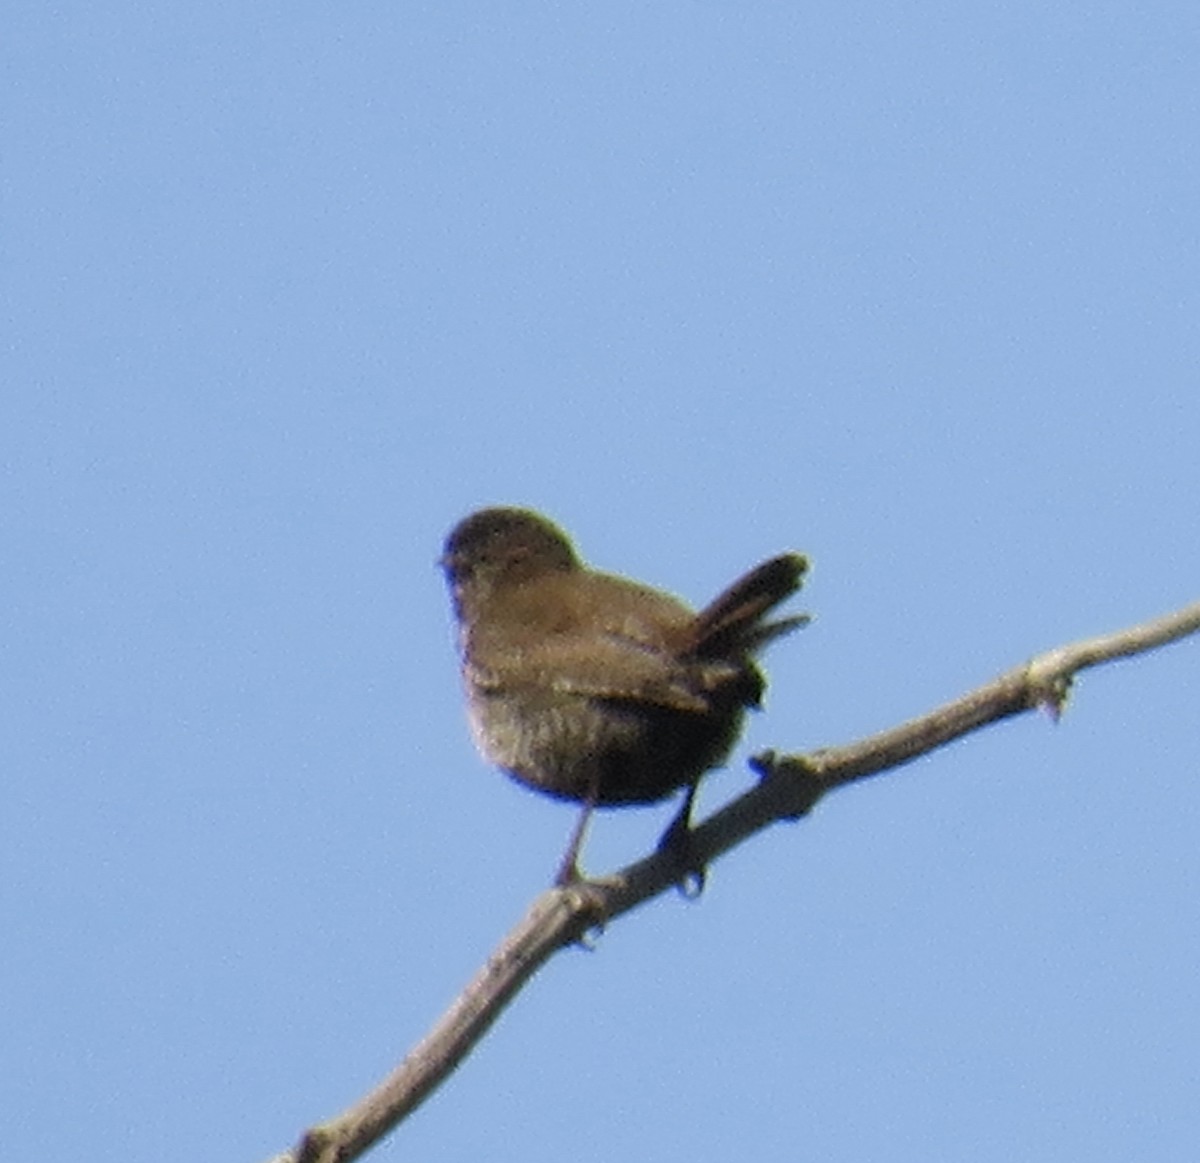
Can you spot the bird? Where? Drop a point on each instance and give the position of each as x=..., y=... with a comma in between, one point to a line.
x=593, y=688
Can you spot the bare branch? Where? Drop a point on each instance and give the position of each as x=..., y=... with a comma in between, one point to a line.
x=788, y=789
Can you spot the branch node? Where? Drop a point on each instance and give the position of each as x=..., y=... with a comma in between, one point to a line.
x=317, y=1146
x=797, y=782
x=1049, y=688
x=587, y=903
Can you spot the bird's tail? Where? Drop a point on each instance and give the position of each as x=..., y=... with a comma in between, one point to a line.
x=732, y=622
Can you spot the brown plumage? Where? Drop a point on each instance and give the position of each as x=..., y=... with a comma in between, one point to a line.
x=591, y=687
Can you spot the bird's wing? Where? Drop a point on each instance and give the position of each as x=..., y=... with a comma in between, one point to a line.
x=612, y=667
x=594, y=642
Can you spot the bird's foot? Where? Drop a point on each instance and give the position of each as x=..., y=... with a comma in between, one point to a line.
x=678, y=842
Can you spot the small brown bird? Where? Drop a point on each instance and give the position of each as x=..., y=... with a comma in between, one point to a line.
x=591, y=687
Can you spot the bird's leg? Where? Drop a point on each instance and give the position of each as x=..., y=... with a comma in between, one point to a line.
x=568, y=870
x=680, y=827
x=677, y=840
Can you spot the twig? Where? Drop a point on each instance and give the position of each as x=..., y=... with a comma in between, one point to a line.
x=788, y=789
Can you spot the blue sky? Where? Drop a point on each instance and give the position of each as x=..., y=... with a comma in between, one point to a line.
x=289, y=289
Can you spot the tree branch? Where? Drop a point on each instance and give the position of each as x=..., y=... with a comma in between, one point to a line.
x=789, y=788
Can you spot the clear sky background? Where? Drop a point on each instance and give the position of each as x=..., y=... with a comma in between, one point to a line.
x=288, y=289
